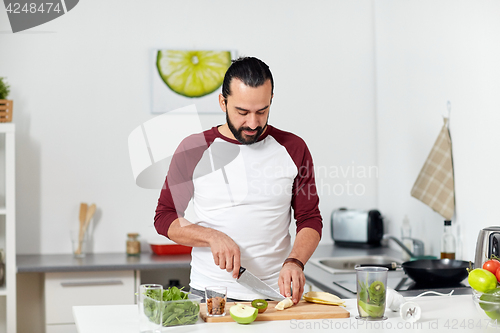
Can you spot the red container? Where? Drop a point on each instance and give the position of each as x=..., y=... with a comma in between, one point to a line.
x=168, y=249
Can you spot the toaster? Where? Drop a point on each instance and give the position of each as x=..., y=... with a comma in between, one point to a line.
x=488, y=244
x=357, y=228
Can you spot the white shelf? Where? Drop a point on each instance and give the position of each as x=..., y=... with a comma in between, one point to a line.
x=8, y=210
x=7, y=127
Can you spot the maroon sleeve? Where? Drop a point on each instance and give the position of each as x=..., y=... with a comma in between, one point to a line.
x=178, y=188
x=305, y=200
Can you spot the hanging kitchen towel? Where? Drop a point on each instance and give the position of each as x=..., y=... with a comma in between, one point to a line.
x=435, y=185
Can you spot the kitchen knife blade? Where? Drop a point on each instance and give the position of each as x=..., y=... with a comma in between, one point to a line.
x=247, y=279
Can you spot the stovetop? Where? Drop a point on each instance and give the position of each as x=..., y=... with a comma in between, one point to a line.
x=406, y=286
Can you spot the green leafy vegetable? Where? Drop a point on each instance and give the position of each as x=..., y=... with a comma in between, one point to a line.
x=176, y=307
x=371, y=299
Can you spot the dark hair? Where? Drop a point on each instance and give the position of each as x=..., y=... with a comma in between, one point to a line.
x=251, y=71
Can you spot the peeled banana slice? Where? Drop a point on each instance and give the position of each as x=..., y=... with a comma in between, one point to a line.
x=286, y=303
x=322, y=297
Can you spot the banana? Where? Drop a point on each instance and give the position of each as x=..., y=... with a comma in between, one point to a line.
x=286, y=303
x=322, y=297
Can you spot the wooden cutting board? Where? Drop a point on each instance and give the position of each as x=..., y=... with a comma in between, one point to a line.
x=302, y=310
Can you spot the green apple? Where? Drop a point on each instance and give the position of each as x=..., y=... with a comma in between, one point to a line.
x=243, y=314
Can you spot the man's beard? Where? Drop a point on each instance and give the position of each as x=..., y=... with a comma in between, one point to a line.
x=238, y=133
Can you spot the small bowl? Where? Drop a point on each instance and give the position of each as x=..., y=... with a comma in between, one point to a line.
x=488, y=309
x=162, y=246
x=168, y=249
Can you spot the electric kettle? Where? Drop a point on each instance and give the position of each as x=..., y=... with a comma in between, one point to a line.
x=488, y=244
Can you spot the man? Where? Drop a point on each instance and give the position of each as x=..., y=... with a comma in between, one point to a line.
x=244, y=177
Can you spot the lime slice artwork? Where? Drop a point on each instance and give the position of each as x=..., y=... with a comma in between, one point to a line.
x=193, y=73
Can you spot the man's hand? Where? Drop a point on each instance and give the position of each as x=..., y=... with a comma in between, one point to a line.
x=226, y=252
x=306, y=241
x=291, y=274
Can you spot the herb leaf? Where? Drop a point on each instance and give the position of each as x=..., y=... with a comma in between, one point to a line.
x=176, y=309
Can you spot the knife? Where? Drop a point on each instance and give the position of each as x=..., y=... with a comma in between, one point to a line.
x=247, y=279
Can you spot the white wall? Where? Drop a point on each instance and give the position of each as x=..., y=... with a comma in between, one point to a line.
x=363, y=88
x=81, y=84
x=428, y=53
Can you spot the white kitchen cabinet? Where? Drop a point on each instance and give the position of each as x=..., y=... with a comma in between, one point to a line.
x=63, y=290
x=68, y=328
x=8, y=227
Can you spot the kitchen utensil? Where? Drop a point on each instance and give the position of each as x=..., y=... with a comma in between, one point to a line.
x=356, y=228
x=252, y=282
x=392, y=266
x=371, y=292
x=150, y=308
x=82, y=216
x=88, y=217
x=395, y=300
x=215, y=298
x=440, y=272
x=410, y=311
x=488, y=243
x=301, y=310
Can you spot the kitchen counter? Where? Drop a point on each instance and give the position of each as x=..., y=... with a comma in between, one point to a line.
x=439, y=313
x=42, y=263
x=52, y=284
x=98, y=262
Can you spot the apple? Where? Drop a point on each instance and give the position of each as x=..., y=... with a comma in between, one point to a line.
x=243, y=314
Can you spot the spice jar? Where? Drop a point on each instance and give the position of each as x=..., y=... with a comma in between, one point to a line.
x=133, y=244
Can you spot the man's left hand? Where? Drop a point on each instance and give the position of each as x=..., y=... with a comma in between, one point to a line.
x=291, y=275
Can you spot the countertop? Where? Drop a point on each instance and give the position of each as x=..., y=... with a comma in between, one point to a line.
x=99, y=262
x=120, y=261
x=439, y=313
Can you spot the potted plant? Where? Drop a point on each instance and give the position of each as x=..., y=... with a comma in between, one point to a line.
x=5, y=104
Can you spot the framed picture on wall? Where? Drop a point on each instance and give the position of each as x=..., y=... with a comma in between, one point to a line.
x=186, y=77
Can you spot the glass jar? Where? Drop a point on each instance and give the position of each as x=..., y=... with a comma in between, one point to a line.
x=133, y=244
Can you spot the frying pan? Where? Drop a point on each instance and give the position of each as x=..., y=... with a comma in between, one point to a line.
x=436, y=271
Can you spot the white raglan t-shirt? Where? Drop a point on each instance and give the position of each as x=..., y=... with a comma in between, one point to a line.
x=247, y=192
